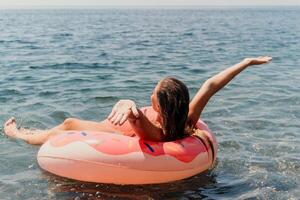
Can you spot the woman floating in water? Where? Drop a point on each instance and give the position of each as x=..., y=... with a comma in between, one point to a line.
x=176, y=115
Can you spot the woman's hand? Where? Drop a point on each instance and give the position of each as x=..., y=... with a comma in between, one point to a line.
x=123, y=110
x=258, y=60
x=217, y=82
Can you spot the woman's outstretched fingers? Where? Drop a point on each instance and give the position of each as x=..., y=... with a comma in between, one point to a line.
x=135, y=112
x=268, y=58
x=264, y=59
x=114, y=117
x=121, y=111
x=112, y=113
x=124, y=118
x=259, y=60
x=118, y=118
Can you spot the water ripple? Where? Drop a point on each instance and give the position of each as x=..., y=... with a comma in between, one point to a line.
x=78, y=63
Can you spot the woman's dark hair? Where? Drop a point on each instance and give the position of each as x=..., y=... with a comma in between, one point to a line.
x=173, y=99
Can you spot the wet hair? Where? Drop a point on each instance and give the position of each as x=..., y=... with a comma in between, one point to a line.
x=173, y=99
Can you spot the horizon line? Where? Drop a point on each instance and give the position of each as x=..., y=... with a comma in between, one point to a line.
x=137, y=6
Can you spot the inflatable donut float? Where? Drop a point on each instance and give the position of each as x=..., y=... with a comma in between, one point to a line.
x=103, y=157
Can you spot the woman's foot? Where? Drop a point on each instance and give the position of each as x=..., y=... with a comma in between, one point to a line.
x=10, y=128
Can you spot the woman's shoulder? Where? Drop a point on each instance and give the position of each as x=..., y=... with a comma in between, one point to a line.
x=149, y=112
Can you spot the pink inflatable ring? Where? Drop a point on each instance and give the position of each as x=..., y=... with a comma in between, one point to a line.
x=113, y=158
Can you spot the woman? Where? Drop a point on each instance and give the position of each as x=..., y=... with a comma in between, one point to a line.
x=176, y=115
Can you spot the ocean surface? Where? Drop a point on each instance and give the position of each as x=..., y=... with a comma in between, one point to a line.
x=64, y=63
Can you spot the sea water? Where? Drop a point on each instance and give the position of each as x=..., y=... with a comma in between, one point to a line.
x=64, y=63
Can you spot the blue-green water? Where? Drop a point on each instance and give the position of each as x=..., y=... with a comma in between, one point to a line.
x=61, y=63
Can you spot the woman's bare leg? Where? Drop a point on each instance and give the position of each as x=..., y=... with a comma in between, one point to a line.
x=38, y=137
x=31, y=136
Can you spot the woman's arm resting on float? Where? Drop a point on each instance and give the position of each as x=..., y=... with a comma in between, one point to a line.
x=217, y=82
x=127, y=110
x=146, y=129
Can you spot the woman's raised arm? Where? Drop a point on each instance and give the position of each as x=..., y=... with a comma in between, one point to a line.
x=217, y=82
